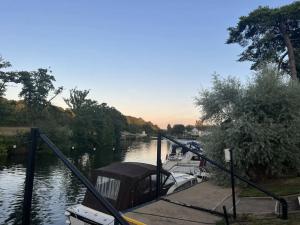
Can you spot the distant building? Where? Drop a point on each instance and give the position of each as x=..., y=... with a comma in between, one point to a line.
x=195, y=132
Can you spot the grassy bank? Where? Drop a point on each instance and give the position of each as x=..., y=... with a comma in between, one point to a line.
x=282, y=187
x=294, y=219
x=13, y=131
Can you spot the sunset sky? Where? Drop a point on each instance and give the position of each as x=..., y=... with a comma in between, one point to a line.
x=148, y=59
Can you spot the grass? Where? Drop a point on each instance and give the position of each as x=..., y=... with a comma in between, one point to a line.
x=282, y=187
x=294, y=219
x=13, y=131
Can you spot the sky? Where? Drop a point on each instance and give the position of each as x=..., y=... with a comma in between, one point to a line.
x=148, y=59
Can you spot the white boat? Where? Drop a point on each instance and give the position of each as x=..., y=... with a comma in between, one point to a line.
x=82, y=215
x=181, y=161
x=125, y=185
x=182, y=181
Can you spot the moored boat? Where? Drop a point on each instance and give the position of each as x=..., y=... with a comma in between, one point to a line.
x=179, y=160
x=125, y=185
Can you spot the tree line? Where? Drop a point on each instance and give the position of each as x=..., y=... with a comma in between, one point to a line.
x=86, y=123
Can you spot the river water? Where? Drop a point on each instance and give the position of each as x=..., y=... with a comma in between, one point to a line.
x=55, y=188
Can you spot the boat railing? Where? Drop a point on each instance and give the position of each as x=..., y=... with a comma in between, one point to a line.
x=282, y=201
x=36, y=135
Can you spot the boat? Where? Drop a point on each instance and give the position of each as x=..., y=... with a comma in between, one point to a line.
x=179, y=160
x=125, y=185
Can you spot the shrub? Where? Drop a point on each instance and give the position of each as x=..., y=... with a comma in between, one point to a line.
x=259, y=120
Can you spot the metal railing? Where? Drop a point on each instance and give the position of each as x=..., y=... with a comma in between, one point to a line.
x=35, y=135
x=283, y=202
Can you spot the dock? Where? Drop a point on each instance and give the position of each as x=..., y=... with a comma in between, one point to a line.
x=207, y=201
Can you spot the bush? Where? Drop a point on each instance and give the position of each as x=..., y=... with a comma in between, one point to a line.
x=259, y=120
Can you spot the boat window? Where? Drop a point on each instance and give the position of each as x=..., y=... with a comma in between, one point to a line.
x=153, y=181
x=144, y=185
x=165, y=180
x=169, y=181
x=108, y=187
x=184, y=186
x=196, y=158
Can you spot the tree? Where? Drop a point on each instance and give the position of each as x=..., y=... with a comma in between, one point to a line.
x=37, y=86
x=77, y=99
x=260, y=121
x=270, y=35
x=169, y=128
x=94, y=124
x=178, y=129
x=189, y=128
x=6, y=77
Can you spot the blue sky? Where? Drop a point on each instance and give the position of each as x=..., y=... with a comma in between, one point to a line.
x=147, y=58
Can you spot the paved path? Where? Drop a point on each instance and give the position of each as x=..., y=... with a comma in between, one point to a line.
x=204, y=195
x=164, y=213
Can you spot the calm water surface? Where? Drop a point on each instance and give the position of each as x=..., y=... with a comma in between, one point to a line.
x=55, y=188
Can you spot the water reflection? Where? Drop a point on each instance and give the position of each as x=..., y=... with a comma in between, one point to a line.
x=55, y=188
x=145, y=151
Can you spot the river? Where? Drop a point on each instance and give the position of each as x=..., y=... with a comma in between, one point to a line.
x=55, y=188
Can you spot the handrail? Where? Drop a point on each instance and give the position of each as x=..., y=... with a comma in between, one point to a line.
x=281, y=200
x=35, y=134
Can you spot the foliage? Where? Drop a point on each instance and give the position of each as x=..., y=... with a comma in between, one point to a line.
x=6, y=77
x=280, y=187
x=37, y=86
x=138, y=125
x=252, y=220
x=270, y=35
x=260, y=121
x=93, y=124
x=86, y=123
x=178, y=129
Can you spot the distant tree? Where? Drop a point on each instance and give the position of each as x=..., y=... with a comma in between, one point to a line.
x=189, y=127
x=199, y=124
x=94, y=124
x=270, y=35
x=6, y=77
x=78, y=99
x=178, y=129
x=36, y=87
x=260, y=121
x=169, y=129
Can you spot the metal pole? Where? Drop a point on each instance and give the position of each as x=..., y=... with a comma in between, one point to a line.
x=158, y=165
x=225, y=215
x=29, y=178
x=284, y=209
x=232, y=184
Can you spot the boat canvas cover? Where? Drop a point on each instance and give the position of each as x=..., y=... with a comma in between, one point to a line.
x=122, y=178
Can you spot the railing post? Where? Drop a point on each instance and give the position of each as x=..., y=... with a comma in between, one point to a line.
x=284, y=206
x=225, y=215
x=232, y=183
x=158, y=165
x=29, y=178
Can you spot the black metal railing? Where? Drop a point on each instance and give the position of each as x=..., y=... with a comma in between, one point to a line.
x=283, y=202
x=35, y=135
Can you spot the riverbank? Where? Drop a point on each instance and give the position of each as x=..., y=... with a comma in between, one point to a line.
x=294, y=219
